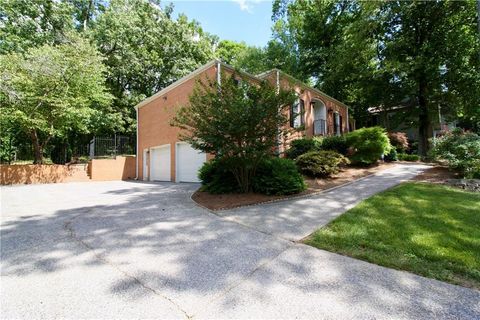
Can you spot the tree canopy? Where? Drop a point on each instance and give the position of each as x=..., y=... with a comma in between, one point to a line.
x=422, y=54
x=51, y=90
x=146, y=50
x=136, y=48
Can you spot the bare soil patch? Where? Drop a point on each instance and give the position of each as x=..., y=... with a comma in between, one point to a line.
x=233, y=200
x=437, y=175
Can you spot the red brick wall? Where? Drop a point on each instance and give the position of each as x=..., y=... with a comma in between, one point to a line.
x=120, y=168
x=307, y=95
x=42, y=173
x=154, y=119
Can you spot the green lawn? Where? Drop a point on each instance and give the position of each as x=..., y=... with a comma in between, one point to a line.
x=426, y=229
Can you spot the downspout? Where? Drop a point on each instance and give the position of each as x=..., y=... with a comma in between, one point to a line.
x=136, y=158
x=219, y=76
x=348, y=122
x=278, y=130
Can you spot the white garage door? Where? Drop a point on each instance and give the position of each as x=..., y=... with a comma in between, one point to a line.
x=189, y=161
x=160, y=163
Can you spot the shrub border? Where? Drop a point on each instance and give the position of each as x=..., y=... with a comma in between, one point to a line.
x=285, y=198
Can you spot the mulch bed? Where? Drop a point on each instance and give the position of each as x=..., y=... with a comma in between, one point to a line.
x=437, y=175
x=442, y=175
x=233, y=200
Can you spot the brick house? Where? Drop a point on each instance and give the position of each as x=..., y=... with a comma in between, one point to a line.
x=161, y=156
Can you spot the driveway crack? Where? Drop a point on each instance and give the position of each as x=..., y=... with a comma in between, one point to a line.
x=71, y=233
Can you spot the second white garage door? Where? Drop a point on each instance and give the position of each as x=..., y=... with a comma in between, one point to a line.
x=189, y=161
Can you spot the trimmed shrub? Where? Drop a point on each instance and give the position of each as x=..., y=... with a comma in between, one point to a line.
x=368, y=145
x=408, y=157
x=301, y=146
x=321, y=163
x=278, y=176
x=461, y=150
x=391, y=156
x=216, y=178
x=335, y=143
x=398, y=140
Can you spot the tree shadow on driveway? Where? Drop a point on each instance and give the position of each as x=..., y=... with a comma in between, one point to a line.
x=156, y=237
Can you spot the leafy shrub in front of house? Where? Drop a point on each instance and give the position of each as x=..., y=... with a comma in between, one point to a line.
x=408, y=157
x=301, y=146
x=321, y=163
x=278, y=176
x=391, y=156
x=398, y=140
x=335, y=143
x=368, y=145
x=461, y=150
x=216, y=177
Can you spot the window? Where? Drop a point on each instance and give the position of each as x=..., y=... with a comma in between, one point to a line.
x=340, y=124
x=297, y=111
x=337, y=124
x=302, y=112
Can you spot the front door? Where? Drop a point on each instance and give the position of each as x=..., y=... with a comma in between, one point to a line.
x=319, y=118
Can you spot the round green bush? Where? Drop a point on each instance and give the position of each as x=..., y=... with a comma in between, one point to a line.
x=301, y=146
x=278, y=176
x=461, y=150
x=321, y=163
x=391, y=156
x=368, y=145
x=335, y=143
x=216, y=178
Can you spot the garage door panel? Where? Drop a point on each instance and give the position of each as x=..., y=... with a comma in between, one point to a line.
x=189, y=161
x=160, y=164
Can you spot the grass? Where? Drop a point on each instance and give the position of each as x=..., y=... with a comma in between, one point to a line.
x=427, y=229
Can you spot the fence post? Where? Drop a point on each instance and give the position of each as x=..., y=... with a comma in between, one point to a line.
x=92, y=148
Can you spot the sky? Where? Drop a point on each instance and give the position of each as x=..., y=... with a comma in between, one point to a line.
x=238, y=20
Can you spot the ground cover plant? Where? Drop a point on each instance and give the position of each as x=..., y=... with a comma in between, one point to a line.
x=321, y=164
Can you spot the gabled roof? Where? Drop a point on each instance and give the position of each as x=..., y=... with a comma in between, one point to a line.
x=265, y=74
x=211, y=63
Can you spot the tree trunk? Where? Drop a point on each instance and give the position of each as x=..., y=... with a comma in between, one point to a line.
x=37, y=148
x=478, y=21
x=424, y=123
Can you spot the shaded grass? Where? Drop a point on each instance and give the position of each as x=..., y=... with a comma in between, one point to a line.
x=430, y=230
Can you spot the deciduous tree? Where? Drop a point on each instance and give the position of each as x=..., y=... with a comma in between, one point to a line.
x=52, y=90
x=146, y=50
x=238, y=122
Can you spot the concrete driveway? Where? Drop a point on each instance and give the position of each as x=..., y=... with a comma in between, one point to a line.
x=145, y=250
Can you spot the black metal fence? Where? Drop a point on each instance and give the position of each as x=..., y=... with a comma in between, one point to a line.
x=105, y=147
x=61, y=152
